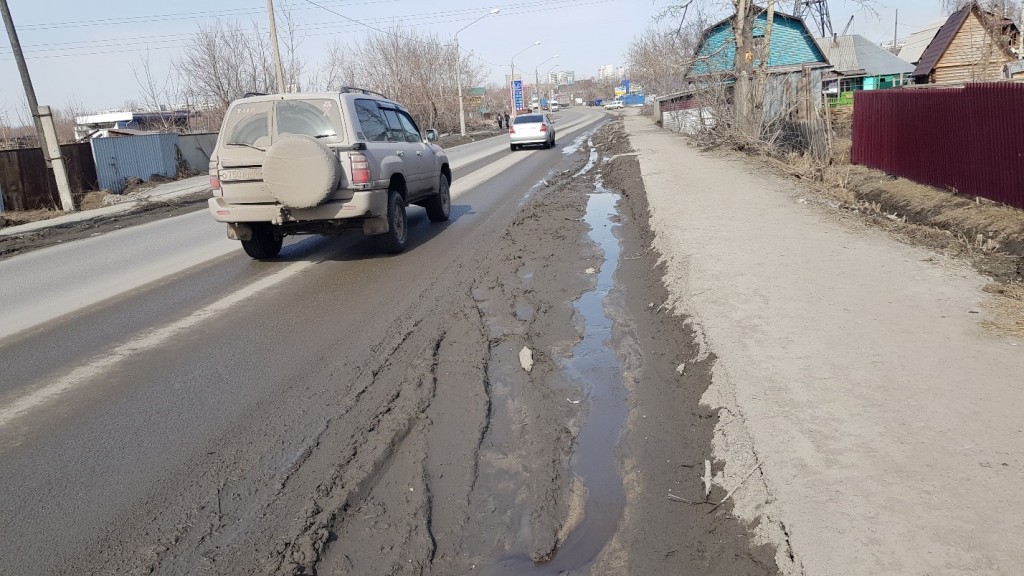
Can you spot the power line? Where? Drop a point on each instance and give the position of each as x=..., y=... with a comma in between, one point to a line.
x=74, y=48
x=173, y=16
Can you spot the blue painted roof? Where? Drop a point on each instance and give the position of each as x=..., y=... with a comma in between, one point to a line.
x=791, y=45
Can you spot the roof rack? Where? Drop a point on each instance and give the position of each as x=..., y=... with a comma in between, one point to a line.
x=251, y=94
x=350, y=89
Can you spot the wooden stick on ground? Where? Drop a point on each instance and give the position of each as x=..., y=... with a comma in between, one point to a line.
x=737, y=487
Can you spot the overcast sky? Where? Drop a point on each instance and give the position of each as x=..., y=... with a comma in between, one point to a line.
x=83, y=51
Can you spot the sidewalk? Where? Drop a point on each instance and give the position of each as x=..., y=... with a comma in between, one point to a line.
x=162, y=192
x=854, y=367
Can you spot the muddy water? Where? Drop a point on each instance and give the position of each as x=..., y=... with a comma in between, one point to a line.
x=595, y=367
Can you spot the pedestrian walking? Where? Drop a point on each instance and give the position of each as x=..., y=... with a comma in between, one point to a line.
x=507, y=125
x=500, y=118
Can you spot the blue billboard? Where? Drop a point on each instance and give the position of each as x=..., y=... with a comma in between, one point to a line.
x=517, y=94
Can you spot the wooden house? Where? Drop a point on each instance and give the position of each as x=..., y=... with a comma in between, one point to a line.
x=794, y=68
x=972, y=46
x=860, y=64
x=792, y=47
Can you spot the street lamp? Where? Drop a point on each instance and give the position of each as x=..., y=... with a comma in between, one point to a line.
x=512, y=78
x=458, y=69
x=536, y=75
x=547, y=81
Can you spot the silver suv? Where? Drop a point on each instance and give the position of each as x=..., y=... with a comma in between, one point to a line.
x=322, y=164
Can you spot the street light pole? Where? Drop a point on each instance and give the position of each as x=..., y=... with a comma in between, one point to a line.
x=512, y=78
x=536, y=75
x=458, y=69
x=547, y=81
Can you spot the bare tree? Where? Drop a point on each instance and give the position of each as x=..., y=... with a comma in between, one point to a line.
x=659, y=57
x=415, y=69
x=294, y=67
x=222, y=62
x=158, y=93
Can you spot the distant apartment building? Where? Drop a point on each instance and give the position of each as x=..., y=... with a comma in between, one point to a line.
x=611, y=73
x=562, y=78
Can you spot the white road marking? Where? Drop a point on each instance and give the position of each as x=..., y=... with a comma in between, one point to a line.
x=148, y=340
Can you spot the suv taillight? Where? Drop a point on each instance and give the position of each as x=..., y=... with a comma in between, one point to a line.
x=215, y=181
x=360, y=168
x=511, y=130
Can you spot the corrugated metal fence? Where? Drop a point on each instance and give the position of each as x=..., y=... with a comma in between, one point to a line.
x=196, y=150
x=969, y=139
x=27, y=184
x=134, y=156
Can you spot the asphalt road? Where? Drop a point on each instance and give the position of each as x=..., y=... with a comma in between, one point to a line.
x=159, y=356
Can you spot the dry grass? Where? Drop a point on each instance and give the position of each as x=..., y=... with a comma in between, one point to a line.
x=16, y=217
x=1006, y=309
x=980, y=224
x=93, y=199
x=88, y=201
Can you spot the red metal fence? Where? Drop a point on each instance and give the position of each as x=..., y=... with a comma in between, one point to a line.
x=969, y=139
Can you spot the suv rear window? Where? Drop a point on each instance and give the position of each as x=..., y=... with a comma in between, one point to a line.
x=249, y=124
x=317, y=118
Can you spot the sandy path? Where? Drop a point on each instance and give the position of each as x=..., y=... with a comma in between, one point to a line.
x=854, y=366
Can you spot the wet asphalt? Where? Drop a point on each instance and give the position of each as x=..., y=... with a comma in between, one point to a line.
x=105, y=410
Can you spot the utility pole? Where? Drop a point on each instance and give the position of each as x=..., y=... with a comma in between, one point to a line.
x=895, y=31
x=48, y=143
x=277, y=51
x=458, y=70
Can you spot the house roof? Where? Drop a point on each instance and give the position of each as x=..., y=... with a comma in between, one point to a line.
x=758, y=11
x=943, y=38
x=855, y=55
x=946, y=35
x=918, y=41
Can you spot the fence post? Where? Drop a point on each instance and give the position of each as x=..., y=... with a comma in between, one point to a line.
x=51, y=150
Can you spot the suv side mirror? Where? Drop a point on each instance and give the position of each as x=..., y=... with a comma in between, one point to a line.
x=431, y=135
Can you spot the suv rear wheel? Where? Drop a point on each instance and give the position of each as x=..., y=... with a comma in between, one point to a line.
x=439, y=207
x=393, y=241
x=264, y=243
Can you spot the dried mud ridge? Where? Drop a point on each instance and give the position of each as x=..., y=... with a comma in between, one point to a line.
x=434, y=452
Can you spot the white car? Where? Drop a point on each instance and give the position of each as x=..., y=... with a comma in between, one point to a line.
x=553, y=106
x=617, y=104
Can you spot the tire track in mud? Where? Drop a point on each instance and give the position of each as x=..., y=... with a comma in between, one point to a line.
x=434, y=452
x=489, y=455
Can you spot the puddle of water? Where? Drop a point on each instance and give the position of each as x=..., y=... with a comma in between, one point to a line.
x=576, y=144
x=595, y=365
x=590, y=161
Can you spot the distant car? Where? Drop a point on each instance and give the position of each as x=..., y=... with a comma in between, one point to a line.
x=553, y=106
x=531, y=129
x=614, y=105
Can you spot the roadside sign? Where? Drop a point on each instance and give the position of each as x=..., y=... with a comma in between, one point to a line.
x=517, y=94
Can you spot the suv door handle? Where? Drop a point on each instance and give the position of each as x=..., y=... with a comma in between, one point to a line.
x=419, y=153
x=400, y=153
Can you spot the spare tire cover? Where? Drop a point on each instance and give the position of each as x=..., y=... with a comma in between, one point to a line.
x=300, y=171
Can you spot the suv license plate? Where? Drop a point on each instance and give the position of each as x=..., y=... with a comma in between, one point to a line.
x=237, y=174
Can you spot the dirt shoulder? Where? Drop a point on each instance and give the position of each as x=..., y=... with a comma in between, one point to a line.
x=987, y=234
x=855, y=381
